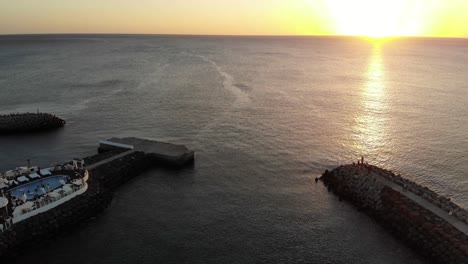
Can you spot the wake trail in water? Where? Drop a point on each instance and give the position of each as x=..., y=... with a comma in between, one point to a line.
x=153, y=78
x=242, y=98
x=205, y=134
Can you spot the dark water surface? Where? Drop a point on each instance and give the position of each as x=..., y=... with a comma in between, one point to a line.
x=265, y=117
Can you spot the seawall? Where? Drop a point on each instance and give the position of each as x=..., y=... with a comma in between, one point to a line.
x=29, y=122
x=108, y=174
x=405, y=209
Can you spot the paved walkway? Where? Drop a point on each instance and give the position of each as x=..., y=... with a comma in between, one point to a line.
x=457, y=223
x=92, y=166
x=151, y=146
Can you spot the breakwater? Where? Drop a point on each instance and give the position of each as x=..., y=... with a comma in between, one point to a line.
x=29, y=122
x=427, y=222
x=108, y=170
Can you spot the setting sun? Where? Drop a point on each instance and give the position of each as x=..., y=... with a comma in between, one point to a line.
x=377, y=18
x=370, y=18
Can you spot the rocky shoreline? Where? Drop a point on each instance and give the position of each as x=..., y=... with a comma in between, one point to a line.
x=29, y=122
x=103, y=181
x=429, y=234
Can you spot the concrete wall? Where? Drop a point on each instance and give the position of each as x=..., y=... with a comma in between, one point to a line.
x=442, y=202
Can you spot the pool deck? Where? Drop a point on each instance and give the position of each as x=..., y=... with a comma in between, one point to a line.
x=124, y=158
x=30, y=187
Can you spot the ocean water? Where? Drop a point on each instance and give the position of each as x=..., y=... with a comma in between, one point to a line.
x=265, y=116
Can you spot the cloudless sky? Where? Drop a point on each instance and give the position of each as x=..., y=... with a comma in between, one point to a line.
x=443, y=18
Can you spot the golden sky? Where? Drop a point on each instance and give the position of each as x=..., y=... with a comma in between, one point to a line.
x=376, y=18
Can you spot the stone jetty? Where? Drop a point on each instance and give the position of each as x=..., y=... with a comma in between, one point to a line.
x=427, y=222
x=113, y=166
x=159, y=152
x=29, y=122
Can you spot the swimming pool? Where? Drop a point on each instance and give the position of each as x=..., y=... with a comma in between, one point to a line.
x=33, y=188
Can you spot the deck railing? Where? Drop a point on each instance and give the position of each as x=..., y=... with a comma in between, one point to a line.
x=44, y=204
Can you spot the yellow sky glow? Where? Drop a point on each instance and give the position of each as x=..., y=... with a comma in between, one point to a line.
x=372, y=18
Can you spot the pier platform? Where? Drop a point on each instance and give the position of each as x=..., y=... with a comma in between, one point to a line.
x=166, y=153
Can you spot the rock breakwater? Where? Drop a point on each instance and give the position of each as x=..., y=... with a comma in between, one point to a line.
x=440, y=201
x=403, y=207
x=29, y=122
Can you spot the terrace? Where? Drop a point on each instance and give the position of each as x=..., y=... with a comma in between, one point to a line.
x=28, y=191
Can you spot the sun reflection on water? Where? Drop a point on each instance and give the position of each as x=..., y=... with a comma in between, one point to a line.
x=370, y=122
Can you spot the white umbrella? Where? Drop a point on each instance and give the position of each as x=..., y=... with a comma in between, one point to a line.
x=28, y=206
x=43, y=190
x=24, y=197
x=3, y=202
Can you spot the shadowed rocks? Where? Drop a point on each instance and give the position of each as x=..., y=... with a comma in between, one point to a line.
x=29, y=122
x=418, y=226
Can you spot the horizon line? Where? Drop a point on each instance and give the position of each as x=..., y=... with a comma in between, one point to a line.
x=231, y=35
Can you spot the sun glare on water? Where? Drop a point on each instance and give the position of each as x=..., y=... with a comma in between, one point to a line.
x=377, y=18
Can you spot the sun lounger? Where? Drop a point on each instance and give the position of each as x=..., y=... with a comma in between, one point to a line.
x=34, y=176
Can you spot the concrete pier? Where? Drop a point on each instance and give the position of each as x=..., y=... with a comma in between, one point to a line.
x=119, y=160
x=427, y=222
x=160, y=152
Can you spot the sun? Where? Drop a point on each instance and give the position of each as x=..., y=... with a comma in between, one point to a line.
x=377, y=18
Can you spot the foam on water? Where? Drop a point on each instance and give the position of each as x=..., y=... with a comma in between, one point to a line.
x=242, y=97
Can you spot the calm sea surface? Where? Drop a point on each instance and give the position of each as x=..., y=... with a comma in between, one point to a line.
x=265, y=117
